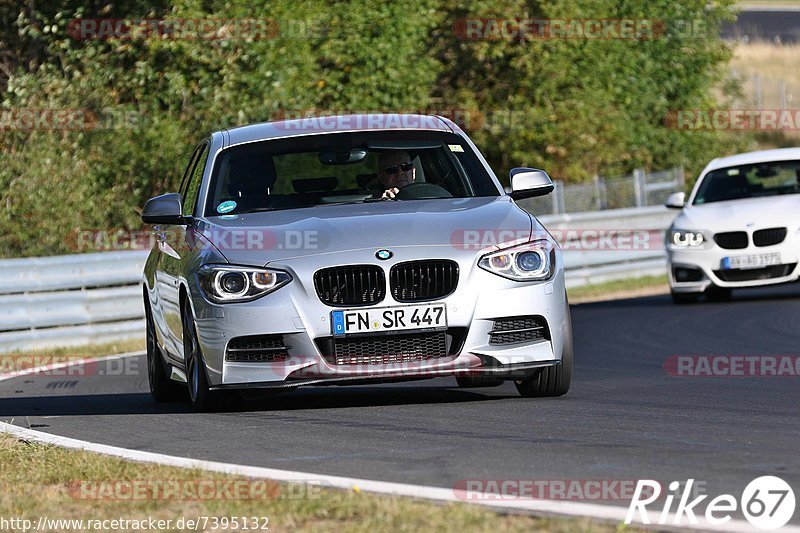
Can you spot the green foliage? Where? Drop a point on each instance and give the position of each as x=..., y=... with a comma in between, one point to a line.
x=575, y=107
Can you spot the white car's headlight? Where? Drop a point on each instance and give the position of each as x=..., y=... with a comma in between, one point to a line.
x=225, y=283
x=686, y=239
x=532, y=261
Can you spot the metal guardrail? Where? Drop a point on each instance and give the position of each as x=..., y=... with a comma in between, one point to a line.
x=95, y=298
x=70, y=300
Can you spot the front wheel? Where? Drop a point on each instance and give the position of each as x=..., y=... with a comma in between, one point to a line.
x=553, y=380
x=200, y=397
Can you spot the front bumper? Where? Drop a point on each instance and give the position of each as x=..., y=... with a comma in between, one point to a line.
x=296, y=313
x=703, y=267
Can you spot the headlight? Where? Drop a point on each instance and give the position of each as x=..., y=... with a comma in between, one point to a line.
x=686, y=239
x=224, y=283
x=532, y=261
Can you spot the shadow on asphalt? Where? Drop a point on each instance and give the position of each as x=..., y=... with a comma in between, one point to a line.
x=789, y=291
x=331, y=397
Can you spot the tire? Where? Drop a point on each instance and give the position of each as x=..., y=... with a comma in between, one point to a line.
x=162, y=389
x=200, y=397
x=719, y=294
x=680, y=298
x=474, y=382
x=553, y=380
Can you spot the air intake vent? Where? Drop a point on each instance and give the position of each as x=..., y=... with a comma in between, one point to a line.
x=389, y=349
x=350, y=285
x=732, y=240
x=513, y=330
x=257, y=349
x=769, y=237
x=752, y=274
x=419, y=281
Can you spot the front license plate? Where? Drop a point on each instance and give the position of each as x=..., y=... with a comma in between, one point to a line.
x=751, y=261
x=383, y=319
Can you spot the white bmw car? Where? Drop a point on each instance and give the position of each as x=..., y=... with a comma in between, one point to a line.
x=739, y=228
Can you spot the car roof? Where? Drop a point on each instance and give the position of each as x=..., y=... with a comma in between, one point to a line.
x=762, y=156
x=334, y=124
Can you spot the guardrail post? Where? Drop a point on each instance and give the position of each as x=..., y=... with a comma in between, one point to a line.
x=600, y=189
x=559, y=202
x=639, y=187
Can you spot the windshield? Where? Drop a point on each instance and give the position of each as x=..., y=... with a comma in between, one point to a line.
x=319, y=170
x=750, y=181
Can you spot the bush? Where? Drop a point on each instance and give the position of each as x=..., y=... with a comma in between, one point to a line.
x=575, y=107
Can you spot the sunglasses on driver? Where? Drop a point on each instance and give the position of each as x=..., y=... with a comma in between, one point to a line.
x=394, y=169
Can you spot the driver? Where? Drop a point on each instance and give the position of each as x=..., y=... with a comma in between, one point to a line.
x=395, y=170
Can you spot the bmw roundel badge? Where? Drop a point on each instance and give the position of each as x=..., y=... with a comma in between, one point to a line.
x=384, y=254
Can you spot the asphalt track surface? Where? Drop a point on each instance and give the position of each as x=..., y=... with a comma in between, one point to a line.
x=624, y=419
x=765, y=23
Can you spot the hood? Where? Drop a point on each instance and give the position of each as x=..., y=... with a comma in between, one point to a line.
x=259, y=238
x=744, y=214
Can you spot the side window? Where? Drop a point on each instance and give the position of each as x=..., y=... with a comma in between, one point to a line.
x=194, y=181
x=188, y=171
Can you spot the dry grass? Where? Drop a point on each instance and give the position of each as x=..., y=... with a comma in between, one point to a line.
x=772, y=64
x=12, y=362
x=619, y=289
x=36, y=481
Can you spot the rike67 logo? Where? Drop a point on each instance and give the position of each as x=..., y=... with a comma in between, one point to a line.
x=767, y=503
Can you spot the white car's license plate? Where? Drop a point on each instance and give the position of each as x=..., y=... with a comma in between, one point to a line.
x=751, y=261
x=383, y=319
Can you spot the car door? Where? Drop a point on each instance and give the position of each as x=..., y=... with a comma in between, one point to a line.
x=174, y=248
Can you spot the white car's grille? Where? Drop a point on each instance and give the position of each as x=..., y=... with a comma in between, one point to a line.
x=769, y=237
x=731, y=240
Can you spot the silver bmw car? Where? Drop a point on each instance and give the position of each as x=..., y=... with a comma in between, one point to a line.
x=349, y=250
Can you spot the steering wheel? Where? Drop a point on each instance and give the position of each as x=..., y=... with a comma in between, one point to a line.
x=419, y=191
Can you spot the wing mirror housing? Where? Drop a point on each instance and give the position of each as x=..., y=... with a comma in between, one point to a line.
x=164, y=209
x=676, y=200
x=529, y=183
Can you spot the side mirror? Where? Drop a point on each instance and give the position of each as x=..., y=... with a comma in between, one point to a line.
x=164, y=209
x=676, y=200
x=529, y=182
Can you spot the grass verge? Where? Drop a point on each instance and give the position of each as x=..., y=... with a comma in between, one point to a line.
x=12, y=362
x=618, y=289
x=42, y=480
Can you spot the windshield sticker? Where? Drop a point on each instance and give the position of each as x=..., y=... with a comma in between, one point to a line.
x=456, y=148
x=733, y=172
x=226, y=207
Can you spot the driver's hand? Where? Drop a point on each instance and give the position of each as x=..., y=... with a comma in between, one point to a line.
x=390, y=193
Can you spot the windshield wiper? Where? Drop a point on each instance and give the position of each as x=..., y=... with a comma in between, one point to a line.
x=379, y=199
x=263, y=209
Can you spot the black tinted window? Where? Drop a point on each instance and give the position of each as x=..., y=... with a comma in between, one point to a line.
x=749, y=181
x=345, y=167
